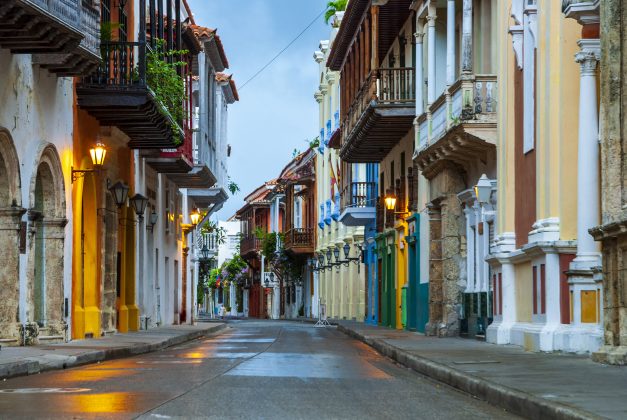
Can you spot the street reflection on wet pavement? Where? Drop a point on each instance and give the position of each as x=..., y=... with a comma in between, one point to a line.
x=254, y=369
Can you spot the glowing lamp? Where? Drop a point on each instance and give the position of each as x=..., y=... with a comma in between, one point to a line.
x=390, y=200
x=194, y=217
x=98, y=154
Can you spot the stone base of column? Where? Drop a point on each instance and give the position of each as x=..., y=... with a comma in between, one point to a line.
x=611, y=355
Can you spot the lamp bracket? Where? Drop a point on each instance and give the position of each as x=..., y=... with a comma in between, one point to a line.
x=80, y=173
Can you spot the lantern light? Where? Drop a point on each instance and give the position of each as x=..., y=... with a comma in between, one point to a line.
x=329, y=256
x=321, y=259
x=120, y=193
x=139, y=203
x=347, y=250
x=205, y=252
x=336, y=254
x=98, y=154
x=194, y=217
x=153, y=217
x=390, y=200
x=483, y=189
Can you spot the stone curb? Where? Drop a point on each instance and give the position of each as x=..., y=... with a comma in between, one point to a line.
x=30, y=366
x=513, y=400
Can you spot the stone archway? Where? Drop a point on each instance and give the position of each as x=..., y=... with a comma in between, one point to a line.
x=10, y=227
x=45, y=297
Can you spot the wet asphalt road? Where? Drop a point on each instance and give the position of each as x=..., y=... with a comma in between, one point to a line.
x=254, y=369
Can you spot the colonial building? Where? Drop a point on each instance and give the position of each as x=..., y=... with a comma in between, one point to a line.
x=339, y=276
x=611, y=231
x=372, y=51
x=101, y=240
x=455, y=130
x=547, y=288
x=37, y=158
x=297, y=184
x=255, y=216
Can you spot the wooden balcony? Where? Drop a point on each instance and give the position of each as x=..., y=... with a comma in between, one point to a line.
x=173, y=161
x=62, y=35
x=117, y=94
x=300, y=240
x=249, y=244
x=460, y=126
x=358, y=201
x=40, y=26
x=381, y=114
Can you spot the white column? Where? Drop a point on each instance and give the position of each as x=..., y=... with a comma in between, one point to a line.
x=467, y=36
x=450, y=42
x=588, y=195
x=233, y=299
x=276, y=302
x=245, y=302
x=431, y=58
x=420, y=77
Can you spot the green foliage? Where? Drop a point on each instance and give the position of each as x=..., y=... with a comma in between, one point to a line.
x=106, y=30
x=269, y=242
x=234, y=270
x=314, y=143
x=295, y=153
x=218, y=231
x=167, y=85
x=333, y=7
x=233, y=187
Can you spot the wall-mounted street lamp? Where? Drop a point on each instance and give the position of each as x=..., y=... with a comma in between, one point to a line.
x=139, y=204
x=390, y=200
x=194, y=216
x=483, y=189
x=152, y=220
x=204, y=252
x=97, y=154
x=120, y=193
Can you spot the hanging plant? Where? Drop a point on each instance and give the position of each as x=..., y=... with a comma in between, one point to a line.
x=168, y=86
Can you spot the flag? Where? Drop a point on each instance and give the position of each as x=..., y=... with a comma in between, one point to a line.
x=332, y=175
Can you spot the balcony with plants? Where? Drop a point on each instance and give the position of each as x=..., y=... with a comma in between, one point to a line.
x=62, y=35
x=143, y=87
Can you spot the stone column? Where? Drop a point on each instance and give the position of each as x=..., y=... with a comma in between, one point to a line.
x=450, y=42
x=467, y=36
x=588, y=194
x=435, y=270
x=10, y=229
x=431, y=57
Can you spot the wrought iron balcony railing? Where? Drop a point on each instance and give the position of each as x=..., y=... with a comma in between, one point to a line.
x=359, y=194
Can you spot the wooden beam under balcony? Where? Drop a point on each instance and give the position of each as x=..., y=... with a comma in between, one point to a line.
x=38, y=26
x=133, y=109
x=378, y=130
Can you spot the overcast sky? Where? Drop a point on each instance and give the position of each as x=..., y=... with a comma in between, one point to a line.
x=277, y=111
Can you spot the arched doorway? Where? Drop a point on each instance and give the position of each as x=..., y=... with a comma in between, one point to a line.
x=45, y=298
x=10, y=239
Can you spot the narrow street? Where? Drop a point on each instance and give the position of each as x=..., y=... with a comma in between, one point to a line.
x=254, y=369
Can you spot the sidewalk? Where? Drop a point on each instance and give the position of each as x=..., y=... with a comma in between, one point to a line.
x=18, y=361
x=533, y=385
